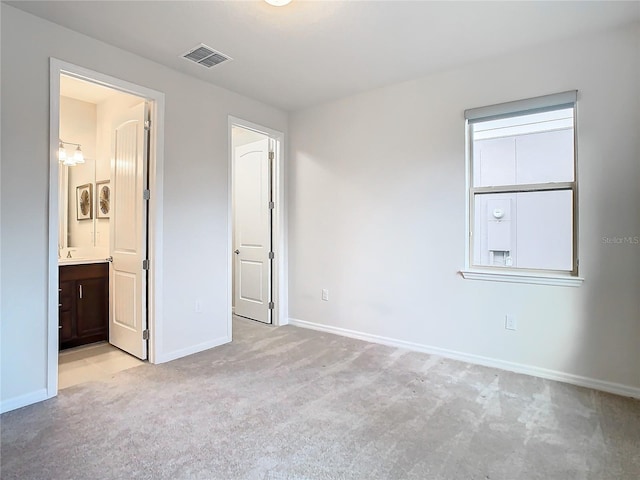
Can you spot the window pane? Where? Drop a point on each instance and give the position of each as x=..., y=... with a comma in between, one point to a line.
x=494, y=162
x=544, y=230
x=519, y=124
x=524, y=230
x=494, y=232
x=544, y=157
x=525, y=149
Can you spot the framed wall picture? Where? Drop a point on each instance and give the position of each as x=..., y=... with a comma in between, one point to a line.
x=84, y=202
x=103, y=199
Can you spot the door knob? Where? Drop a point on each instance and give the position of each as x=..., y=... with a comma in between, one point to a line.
x=237, y=252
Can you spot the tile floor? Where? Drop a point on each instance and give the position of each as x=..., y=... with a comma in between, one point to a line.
x=97, y=361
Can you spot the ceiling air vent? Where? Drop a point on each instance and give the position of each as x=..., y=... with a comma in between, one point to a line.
x=205, y=56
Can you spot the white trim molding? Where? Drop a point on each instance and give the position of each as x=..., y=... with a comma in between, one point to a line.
x=24, y=400
x=596, y=384
x=521, y=277
x=201, y=347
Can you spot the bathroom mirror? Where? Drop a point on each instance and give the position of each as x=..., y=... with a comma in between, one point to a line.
x=76, y=231
x=77, y=219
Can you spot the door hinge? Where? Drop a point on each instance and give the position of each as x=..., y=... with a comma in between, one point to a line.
x=146, y=194
x=145, y=334
x=271, y=306
x=147, y=125
x=272, y=205
x=271, y=155
x=272, y=255
x=146, y=264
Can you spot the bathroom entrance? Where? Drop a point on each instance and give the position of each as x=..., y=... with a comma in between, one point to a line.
x=104, y=145
x=103, y=216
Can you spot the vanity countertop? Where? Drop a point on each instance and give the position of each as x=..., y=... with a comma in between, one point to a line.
x=80, y=261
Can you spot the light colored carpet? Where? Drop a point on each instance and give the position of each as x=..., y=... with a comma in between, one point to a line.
x=289, y=403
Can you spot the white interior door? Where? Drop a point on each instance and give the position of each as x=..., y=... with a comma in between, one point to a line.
x=252, y=231
x=128, y=229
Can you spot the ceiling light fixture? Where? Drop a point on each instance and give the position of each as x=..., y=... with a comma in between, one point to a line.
x=278, y=3
x=68, y=160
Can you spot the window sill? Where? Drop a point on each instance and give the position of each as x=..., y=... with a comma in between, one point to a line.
x=522, y=277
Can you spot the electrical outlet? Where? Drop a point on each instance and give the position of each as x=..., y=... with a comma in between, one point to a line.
x=198, y=306
x=510, y=322
x=325, y=294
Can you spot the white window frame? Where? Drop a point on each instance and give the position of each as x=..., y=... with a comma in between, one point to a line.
x=514, y=274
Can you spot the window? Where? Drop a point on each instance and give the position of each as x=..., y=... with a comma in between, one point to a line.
x=522, y=186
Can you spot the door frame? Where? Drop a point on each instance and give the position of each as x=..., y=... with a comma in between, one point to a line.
x=280, y=315
x=154, y=213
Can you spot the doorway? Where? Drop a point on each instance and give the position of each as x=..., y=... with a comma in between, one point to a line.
x=257, y=209
x=103, y=223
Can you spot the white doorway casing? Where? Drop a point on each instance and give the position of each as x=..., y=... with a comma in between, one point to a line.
x=279, y=270
x=156, y=162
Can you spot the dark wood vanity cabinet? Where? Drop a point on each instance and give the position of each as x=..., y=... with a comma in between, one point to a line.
x=84, y=304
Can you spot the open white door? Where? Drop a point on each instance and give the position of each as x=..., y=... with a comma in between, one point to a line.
x=252, y=228
x=128, y=225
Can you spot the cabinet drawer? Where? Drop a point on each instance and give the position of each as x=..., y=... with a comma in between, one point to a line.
x=65, y=303
x=66, y=289
x=65, y=331
x=83, y=272
x=65, y=297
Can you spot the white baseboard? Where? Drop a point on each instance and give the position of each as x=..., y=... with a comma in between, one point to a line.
x=617, y=388
x=167, y=357
x=23, y=400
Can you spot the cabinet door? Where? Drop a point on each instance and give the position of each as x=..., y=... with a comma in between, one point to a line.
x=92, y=307
x=84, y=304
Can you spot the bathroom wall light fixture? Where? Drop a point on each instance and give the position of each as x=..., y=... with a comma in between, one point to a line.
x=278, y=3
x=68, y=160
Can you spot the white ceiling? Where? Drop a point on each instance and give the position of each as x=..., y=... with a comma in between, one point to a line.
x=310, y=52
x=243, y=136
x=86, y=91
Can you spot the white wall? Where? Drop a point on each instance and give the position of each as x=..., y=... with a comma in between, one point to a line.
x=195, y=194
x=377, y=216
